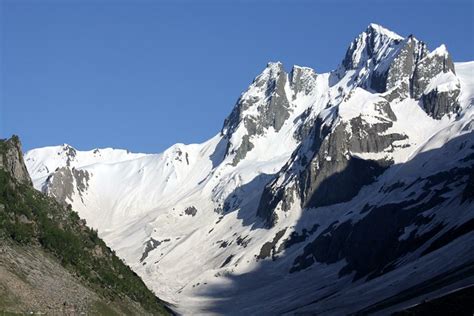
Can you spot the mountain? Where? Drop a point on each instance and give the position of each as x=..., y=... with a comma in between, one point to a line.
x=324, y=193
x=51, y=262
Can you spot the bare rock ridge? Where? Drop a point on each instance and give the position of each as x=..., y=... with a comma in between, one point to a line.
x=12, y=161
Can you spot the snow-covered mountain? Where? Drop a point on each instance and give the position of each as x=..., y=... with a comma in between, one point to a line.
x=326, y=193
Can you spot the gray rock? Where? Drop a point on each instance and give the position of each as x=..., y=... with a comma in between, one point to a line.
x=12, y=160
x=191, y=211
x=64, y=181
x=400, y=70
x=302, y=80
x=385, y=224
x=325, y=163
x=242, y=150
x=332, y=167
x=272, y=110
x=427, y=69
x=368, y=46
x=437, y=104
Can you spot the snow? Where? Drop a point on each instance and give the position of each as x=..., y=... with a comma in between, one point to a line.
x=443, y=82
x=361, y=103
x=381, y=30
x=465, y=73
x=442, y=50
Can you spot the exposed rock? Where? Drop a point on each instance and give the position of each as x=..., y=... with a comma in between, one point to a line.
x=372, y=254
x=243, y=241
x=396, y=79
x=372, y=45
x=439, y=103
x=268, y=96
x=192, y=211
x=302, y=80
x=227, y=261
x=332, y=167
x=150, y=245
x=242, y=150
x=438, y=61
x=12, y=160
x=269, y=248
x=62, y=183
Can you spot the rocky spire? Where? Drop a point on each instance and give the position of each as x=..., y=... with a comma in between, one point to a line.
x=11, y=160
x=371, y=46
x=263, y=105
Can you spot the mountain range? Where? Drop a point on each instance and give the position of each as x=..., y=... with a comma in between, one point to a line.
x=347, y=192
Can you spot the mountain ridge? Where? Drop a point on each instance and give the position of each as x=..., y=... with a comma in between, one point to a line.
x=302, y=156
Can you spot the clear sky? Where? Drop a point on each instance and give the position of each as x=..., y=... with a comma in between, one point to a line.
x=143, y=75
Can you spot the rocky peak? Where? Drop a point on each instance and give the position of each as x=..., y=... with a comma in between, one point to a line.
x=302, y=80
x=268, y=87
x=434, y=63
x=11, y=160
x=371, y=46
x=393, y=75
x=263, y=105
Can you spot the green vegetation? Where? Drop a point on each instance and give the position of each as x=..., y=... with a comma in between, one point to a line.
x=29, y=217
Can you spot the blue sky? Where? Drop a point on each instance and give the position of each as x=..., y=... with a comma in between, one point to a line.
x=143, y=75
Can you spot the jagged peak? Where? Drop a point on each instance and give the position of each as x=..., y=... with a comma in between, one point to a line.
x=442, y=50
x=379, y=29
x=372, y=45
x=297, y=67
x=275, y=64
x=295, y=70
x=271, y=71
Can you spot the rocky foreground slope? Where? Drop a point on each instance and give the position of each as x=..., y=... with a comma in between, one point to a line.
x=328, y=193
x=51, y=262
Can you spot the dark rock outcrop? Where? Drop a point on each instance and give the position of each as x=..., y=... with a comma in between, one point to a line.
x=372, y=254
x=439, y=103
x=191, y=211
x=12, y=160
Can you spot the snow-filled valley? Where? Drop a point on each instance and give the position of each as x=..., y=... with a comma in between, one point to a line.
x=323, y=193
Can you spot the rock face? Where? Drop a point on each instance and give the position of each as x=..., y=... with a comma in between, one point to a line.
x=371, y=46
x=12, y=160
x=64, y=181
x=386, y=224
x=439, y=103
x=436, y=62
x=302, y=81
x=333, y=163
x=264, y=105
x=395, y=79
x=401, y=68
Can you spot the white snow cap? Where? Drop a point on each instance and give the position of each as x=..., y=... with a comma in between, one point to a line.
x=442, y=50
x=383, y=31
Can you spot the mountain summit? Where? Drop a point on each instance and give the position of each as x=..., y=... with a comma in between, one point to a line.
x=324, y=193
